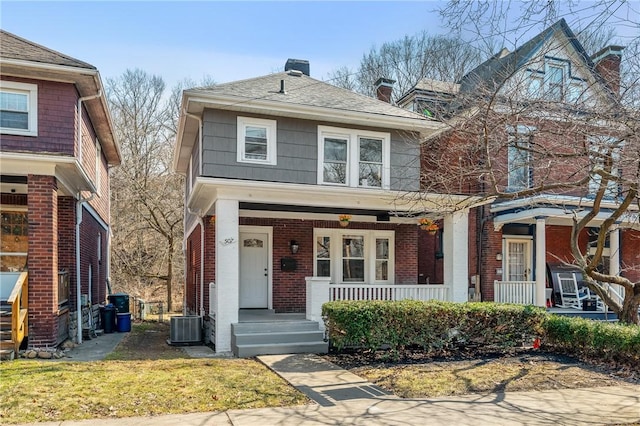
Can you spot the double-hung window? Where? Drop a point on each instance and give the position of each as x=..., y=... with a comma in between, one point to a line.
x=257, y=141
x=18, y=108
x=354, y=256
x=353, y=158
x=602, y=149
x=14, y=234
x=519, y=159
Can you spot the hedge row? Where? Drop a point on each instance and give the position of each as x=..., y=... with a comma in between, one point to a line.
x=432, y=326
x=593, y=340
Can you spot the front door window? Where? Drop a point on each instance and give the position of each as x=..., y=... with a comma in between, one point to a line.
x=518, y=260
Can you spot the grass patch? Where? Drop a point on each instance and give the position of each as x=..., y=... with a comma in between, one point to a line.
x=504, y=374
x=144, y=377
x=36, y=391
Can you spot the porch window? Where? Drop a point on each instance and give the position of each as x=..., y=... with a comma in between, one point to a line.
x=352, y=258
x=323, y=256
x=18, y=108
x=360, y=256
x=256, y=141
x=14, y=235
x=353, y=158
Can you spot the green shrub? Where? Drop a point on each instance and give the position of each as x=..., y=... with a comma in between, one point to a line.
x=433, y=326
x=594, y=340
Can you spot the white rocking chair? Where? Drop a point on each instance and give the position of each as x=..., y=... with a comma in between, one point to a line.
x=570, y=295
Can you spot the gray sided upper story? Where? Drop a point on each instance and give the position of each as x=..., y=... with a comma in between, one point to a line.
x=297, y=151
x=305, y=122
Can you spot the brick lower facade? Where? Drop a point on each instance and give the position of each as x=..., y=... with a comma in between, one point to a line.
x=289, y=293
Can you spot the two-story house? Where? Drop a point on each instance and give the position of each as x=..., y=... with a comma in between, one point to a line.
x=298, y=192
x=520, y=126
x=57, y=145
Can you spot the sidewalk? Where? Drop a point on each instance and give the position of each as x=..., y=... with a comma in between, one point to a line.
x=344, y=398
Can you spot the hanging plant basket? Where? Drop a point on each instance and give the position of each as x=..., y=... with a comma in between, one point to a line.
x=344, y=220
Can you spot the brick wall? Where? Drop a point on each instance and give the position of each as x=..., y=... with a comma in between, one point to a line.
x=43, y=261
x=192, y=274
x=630, y=254
x=67, y=242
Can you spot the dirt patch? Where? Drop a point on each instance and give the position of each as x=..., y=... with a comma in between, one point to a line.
x=416, y=375
x=147, y=340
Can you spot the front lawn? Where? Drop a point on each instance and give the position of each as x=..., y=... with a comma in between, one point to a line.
x=37, y=391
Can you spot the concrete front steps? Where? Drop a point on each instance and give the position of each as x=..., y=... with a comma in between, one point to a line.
x=277, y=337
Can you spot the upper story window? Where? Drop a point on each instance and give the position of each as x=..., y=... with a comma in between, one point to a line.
x=18, y=108
x=555, y=82
x=353, y=158
x=257, y=141
x=519, y=159
x=603, y=149
x=98, y=166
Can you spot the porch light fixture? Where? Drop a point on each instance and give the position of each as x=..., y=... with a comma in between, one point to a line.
x=294, y=246
x=499, y=256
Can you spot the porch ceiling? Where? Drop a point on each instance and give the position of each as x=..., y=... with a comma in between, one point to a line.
x=559, y=216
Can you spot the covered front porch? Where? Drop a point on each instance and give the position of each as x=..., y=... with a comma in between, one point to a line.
x=535, y=261
x=263, y=243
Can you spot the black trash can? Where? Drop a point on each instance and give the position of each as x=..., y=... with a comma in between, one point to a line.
x=120, y=301
x=108, y=318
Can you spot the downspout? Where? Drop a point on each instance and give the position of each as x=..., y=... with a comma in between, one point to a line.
x=78, y=284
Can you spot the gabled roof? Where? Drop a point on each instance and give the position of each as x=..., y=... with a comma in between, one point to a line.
x=14, y=47
x=496, y=70
x=296, y=95
x=23, y=58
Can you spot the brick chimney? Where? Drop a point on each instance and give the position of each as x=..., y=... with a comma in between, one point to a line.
x=607, y=64
x=384, y=87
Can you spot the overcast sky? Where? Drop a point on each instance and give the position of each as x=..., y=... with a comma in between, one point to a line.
x=225, y=40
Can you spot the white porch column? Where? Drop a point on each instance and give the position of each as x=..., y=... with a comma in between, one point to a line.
x=227, y=271
x=541, y=262
x=317, y=295
x=614, y=251
x=456, y=254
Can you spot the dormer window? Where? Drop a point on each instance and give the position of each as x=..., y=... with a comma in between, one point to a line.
x=555, y=77
x=555, y=82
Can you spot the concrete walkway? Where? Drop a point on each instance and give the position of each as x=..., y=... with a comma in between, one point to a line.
x=343, y=398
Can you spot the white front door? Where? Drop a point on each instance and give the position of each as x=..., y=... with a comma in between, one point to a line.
x=254, y=270
x=518, y=260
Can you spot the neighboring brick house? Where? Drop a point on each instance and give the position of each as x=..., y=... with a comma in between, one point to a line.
x=271, y=164
x=57, y=145
x=532, y=102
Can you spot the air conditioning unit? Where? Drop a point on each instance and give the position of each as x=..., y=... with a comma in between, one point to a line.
x=185, y=330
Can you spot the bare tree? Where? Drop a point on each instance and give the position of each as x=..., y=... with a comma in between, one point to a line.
x=147, y=206
x=409, y=60
x=517, y=135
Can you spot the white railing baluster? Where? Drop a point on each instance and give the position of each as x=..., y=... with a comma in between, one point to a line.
x=519, y=292
x=388, y=292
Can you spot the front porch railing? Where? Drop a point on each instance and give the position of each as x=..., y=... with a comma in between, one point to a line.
x=19, y=301
x=387, y=292
x=519, y=292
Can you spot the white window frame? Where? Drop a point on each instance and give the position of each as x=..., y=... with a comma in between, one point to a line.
x=595, y=143
x=31, y=91
x=271, y=127
x=353, y=155
x=335, y=253
x=518, y=135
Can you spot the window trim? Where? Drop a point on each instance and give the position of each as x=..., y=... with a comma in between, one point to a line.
x=31, y=90
x=353, y=137
x=520, y=133
x=336, y=258
x=613, y=189
x=270, y=126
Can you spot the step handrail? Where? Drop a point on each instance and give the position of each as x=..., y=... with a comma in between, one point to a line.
x=19, y=301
